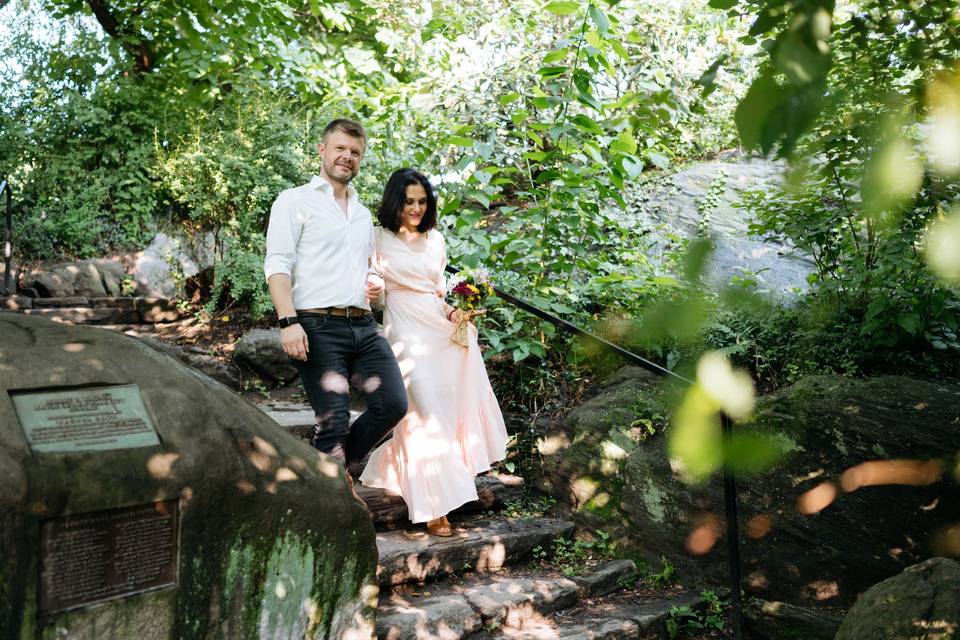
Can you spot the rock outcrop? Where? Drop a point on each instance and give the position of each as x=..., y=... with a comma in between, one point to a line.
x=922, y=603
x=860, y=491
x=271, y=542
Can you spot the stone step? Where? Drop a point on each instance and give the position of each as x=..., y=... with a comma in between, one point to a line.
x=456, y=611
x=86, y=315
x=645, y=620
x=388, y=510
x=482, y=546
x=118, y=310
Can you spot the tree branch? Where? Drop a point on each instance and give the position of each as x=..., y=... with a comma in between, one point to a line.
x=141, y=49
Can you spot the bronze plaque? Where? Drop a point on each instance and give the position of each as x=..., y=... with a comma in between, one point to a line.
x=85, y=419
x=92, y=557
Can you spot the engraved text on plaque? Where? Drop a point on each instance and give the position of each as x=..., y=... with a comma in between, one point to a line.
x=87, y=419
x=92, y=557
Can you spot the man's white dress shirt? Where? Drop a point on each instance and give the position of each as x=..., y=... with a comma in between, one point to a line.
x=324, y=251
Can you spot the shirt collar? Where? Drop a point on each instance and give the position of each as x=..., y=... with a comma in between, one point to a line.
x=322, y=184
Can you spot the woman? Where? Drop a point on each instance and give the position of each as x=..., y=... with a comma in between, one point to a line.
x=453, y=429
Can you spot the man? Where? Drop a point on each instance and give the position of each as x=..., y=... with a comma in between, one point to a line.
x=319, y=244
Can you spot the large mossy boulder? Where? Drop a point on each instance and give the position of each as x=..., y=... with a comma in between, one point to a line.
x=810, y=535
x=922, y=603
x=272, y=542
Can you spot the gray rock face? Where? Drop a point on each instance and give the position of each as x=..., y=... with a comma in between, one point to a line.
x=270, y=534
x=200, y=360
x=260, y=349
x=680, y=206
x=810, y=533
x=95, y=278
x=922, y=603
x=159, y=269
x=782, y=621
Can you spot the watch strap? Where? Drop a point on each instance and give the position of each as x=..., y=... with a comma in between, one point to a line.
x=287, y=321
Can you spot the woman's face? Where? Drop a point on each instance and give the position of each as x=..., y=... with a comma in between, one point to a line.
x=414, y=207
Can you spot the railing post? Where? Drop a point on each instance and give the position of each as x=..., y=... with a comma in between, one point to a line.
x=733, y=532
x=8, y=285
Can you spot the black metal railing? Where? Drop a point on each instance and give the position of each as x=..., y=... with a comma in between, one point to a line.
x=731, y=507
x=9, y=287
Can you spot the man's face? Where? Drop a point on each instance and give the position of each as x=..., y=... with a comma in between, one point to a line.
x=341, y=154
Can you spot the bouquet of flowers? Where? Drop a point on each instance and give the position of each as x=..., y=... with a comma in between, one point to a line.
x=468, y=289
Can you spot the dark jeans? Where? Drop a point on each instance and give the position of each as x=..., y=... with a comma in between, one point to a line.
x=346, y=351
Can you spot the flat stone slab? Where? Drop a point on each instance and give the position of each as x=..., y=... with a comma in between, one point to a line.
x=86, y=315
x=73, y=301
x=510, y=602
x=607, y=578
x=447, y=616
x=483, y=546
x=641, y=621
x=389, y=510
x=454, y=610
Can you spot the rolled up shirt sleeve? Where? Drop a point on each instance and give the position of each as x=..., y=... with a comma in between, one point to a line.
x=283, y=234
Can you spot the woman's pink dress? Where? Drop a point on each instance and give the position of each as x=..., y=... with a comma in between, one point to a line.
x=453, y=429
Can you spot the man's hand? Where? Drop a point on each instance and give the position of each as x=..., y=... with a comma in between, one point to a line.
x=294, y=341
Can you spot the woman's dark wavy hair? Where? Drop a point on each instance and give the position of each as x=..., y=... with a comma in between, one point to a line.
x=395, y=195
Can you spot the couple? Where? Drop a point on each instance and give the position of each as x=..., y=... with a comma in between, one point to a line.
x=325, y=264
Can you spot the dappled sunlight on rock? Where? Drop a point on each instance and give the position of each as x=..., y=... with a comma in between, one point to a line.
x=798, y=480
x=758, y=580
x=879, y=472
x=327, y=466
x=264, y=447
x=582, y=490
x=245, y=486
x=95, y=364
x=160, y=465
x=817, y=499
x=285, y=474
x=74, y=347
x=553, y=444
x=186, y=494
x=758, y=526
x=823, y=589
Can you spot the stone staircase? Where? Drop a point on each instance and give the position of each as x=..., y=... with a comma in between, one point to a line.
x=479, y=583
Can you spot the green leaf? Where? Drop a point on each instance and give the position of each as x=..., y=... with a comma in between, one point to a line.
x=556, y=56
x=723, y=4
x=599, y=18
x=506, y=99
x=910, y=322
x=552, y=72
x=624, y=143
x=585, y=123
x=459, y=141
x=753, y=113
x=594, y=39
x=562, y=7
x=659, y=159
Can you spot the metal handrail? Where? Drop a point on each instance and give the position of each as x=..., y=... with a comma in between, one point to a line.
x=8, y=286
x=731, y=508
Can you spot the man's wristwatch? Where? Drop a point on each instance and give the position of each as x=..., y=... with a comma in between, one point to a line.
x=289, y=320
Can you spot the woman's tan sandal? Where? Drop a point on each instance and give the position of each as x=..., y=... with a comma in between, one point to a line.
x=440, y=527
